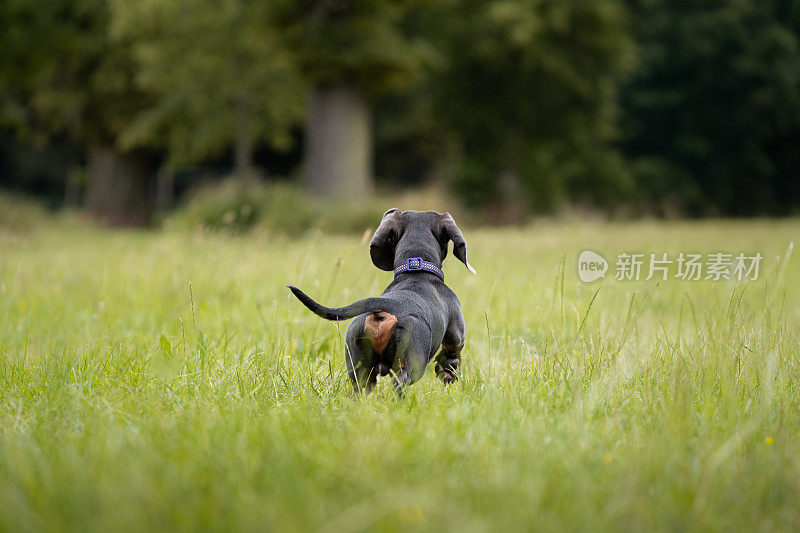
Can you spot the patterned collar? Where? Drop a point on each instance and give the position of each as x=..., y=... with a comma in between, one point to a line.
x=418, y=264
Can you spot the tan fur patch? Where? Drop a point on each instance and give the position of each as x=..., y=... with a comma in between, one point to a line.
x=378, y=327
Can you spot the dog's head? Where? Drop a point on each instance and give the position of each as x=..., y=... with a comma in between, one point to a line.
x=416, y=234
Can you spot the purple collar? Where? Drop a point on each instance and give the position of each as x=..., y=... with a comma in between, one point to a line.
x=415, y=264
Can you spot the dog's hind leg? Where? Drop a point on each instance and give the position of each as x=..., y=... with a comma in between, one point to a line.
x=414, y=351
x=448, y=360
x=359, y=358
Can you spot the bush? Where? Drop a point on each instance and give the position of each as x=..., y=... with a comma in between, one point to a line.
x=349, y=217
x=18, y=213
x=286, y=210
x=239, y=206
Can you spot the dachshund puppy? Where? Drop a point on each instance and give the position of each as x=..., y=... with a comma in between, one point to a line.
x=401, y=331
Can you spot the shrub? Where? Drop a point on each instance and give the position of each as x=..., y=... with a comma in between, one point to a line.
x=238, y=205
x=18, y=213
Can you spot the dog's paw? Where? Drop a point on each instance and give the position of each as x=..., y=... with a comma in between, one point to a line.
x=447, y=375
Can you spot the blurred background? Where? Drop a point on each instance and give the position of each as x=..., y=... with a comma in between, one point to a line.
x=234, y=113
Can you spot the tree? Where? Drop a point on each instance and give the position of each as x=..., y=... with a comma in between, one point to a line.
x=713, y=109
x=351, y=51
x=218, y=74
x=528, y=94
x=69, y=76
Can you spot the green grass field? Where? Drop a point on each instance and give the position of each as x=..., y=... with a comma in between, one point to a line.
x=160, y=381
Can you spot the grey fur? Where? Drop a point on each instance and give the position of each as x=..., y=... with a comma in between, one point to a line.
x=428, y=313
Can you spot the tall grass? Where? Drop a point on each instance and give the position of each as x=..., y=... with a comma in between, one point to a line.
x=169, y=381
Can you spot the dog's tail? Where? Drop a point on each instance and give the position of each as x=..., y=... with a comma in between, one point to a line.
x=348, y=311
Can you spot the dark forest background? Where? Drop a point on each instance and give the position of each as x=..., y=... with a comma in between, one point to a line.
x=515, y=107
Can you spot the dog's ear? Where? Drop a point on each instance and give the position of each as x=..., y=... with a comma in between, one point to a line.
x=452, y=232
x=381, y=248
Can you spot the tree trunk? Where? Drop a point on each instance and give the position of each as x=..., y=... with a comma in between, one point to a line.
x=72, y=188
x=338, y=150
x=118, y=187
x=510, y=205
x=243, y=143
x=165, y=189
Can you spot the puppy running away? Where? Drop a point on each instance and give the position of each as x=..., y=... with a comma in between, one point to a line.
x=401, y=331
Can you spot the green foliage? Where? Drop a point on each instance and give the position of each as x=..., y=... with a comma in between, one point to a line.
x=515, y=102
x=239, y=206
x=219, y=74
x=20, y=214
x=713, y=110
x=352, y=218
x=66, y=69
x=528, y=93
x=177, y=385
x=355, y=42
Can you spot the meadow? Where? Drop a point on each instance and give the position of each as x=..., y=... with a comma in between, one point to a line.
x=167, y=380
